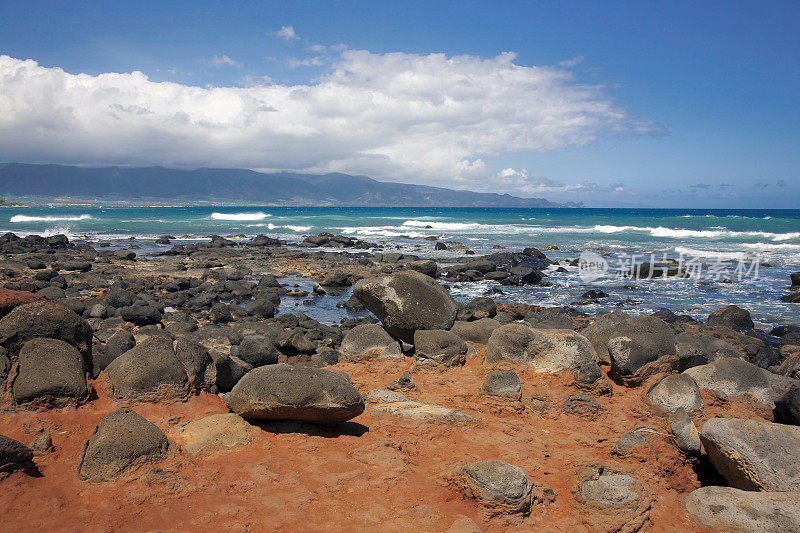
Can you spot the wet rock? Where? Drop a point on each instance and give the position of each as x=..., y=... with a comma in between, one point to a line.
x=730, y=509
x=368, y=341
x=284, y=392
x=754, y=455
x=732, y=317
x=582, y=405
x=13, y=454
x=49, y=320
x=676, y=392
x=442, y=346
x=477, y=309
x=502, y=383
x=51, y=374
x=149, y=371
x=215, y=434
x=734, y=376
x=684, y=434
x=123, y=441
x=407, y=301
x=336, y=279
x=498, y=487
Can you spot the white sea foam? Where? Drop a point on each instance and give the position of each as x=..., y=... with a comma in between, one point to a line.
x=240, y=216
x=711, y=254
x=442, y=225
x=62, y=218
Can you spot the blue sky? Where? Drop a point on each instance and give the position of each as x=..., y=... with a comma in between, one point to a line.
x=612, y=103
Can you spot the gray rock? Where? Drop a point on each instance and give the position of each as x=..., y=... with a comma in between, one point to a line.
x=676, y=392
x=384, y=396
x=228, y=370
x=369, y=341
x=477, y=309
x=150, y=371
x=602, y=329
x=403, y=382
x=123, y=441
x=684, y=434
x=613, y=500
x=502, y=383
x=441, y=346
x=549, y=318
x=42, y=444
x=407, y=301
x=730, y=509
x=694, y=350
x=258, y=350
x=51, y=373
x=116, y=345
x=220, y=314
x=628, y=441
x=45, y=319
x=548, y=350
x=13, y=454
x=195, y=360
x=284, y=392
x=754, y=455
x=732, y=317
x=499, y=487
x=639, y=341
x=582, y=405
x=734, y=376
x=140, y=315
x=336, y=279
x=477, y=331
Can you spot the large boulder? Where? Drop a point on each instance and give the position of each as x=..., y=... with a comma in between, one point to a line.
x=754, y=455
x=51, y=373
x=499, y=487
x=258, y=350
x=602, y=329
x=637, y=342
x=477, y=331
x=285, y=392
x=732, y=376
x=549, y=318
x=149, y=371
x=694, y=350
x=441, y=346
x=407, y=301
x=367, y=341
x=676, y=392
x=548, y=350
x=10, y=299
x=45, y=319
x=502, y=383
x=732, y=317
x=730, y=509
x=123, y=441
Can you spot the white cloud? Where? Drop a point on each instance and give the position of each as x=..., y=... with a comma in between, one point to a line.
x=287, y=33
x=224, y=60
x=425, y=119
x=575, y=61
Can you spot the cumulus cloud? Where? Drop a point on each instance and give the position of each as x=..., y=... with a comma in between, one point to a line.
x=417, y=118
x=287, y=33
x=224, y=60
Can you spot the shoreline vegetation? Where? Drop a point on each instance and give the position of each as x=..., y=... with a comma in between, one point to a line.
x=183, y=376
x=5, y=203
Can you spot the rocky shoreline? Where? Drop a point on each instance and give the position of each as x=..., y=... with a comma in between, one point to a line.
x=131, y=381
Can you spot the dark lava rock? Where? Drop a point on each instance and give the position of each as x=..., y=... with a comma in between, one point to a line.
x=407, y=301
x=731, y=316
x=123, y=441
x=150, y=371
x=502, y=383
x=582, y=405
x=13, y=454
x=284, y=392
x=51, y=373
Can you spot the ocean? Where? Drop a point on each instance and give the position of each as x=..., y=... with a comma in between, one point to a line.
x=755, y=250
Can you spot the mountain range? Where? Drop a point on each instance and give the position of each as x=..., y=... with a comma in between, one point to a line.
x=219, y=186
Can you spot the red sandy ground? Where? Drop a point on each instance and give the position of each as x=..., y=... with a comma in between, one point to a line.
x=381, y=473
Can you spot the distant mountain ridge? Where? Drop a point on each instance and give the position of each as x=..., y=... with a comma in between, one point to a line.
x=237, y=186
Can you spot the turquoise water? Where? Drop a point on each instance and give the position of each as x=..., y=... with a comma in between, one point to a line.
x=710, y=237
